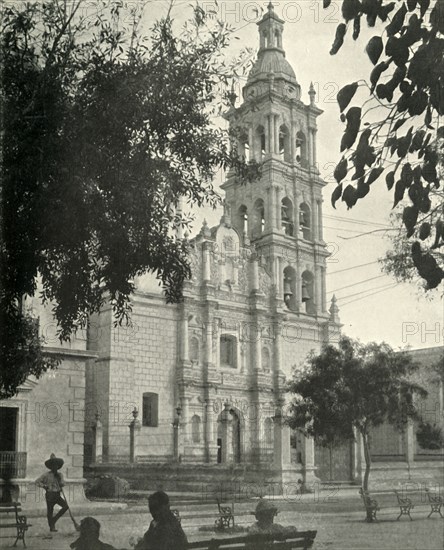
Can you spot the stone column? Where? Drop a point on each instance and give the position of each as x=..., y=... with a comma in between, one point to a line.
x=276, y=133
x=184, y=336
x=251, y=144
x=134, y=428
x=270, y=134
x=315, y=221
x=319, y=209
x=358, y=458
x=308, y=459
x=278, y=208
x=206, y=263
x=410, y=442
x=208, y=342
x=310, y=147
x=323, y=290
x=282, y=453
x=254, y=275
x=225, y=419
x=185, y=419
x=317, y=288
x=314, y=148
x=271, y=220
x=97, y=447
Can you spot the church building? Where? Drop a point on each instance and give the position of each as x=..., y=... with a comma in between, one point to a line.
x=206, y=379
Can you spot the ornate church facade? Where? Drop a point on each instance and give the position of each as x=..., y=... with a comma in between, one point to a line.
x=207, y=377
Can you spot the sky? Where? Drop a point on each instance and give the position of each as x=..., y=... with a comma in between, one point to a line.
x=373, y=307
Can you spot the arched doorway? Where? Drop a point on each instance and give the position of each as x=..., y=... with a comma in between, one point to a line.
x=229, y=436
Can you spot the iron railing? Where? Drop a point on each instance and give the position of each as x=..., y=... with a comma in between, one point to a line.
x=12, y=464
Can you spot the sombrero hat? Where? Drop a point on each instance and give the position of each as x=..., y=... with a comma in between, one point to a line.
x=54, y=462
x=265, y=506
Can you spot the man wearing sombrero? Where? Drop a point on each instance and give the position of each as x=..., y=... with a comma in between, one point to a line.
x=52, y=482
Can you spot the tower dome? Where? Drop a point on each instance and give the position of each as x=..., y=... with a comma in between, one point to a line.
x=271, y=62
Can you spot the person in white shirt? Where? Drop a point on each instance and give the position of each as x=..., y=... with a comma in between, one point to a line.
x=52, y=482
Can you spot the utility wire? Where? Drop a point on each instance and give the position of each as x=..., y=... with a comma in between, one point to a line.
x=355, y=221
x=360, y=293
x=358, y=283
x=352, y=267
x=368, y=295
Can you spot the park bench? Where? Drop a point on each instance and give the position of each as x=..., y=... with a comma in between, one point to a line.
x=10, y=518
x=224, y=516
x=371, y=505
x=405, y=505
x=287, y=541
x=436, y=502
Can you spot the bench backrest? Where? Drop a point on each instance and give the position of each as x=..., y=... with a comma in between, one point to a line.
x=296, y=539
x=7, y=508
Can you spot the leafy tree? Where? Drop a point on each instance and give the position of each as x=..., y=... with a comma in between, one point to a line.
x=398, y=132
x=351, y=389
x=106, y=131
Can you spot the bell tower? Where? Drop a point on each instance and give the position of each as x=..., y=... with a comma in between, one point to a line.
x=280, y=214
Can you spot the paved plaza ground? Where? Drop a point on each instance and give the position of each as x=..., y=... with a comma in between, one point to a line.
x=340, y=525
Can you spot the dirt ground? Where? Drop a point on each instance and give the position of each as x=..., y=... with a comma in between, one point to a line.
x=336, y=530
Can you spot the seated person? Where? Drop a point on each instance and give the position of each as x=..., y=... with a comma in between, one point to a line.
x=265, y=514
x=89, y=536
x=165, y=531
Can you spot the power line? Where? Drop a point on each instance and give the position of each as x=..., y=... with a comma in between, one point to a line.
x=364, y=291
x=355, y=221
x=353, y=267
x=358, y=283
x=368, y=295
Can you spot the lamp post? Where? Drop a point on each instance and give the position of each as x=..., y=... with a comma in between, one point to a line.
x=176, y=424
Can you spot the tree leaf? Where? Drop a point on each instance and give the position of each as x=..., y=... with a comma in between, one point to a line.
x=399, y=192
x=397, y=21
x=356, y=27
x=350, y=9
x=407, y=175
x=340, y=170
x=425, y=231
x=326, y=3
x=376, y=73
x=352, y=129
x=336, y=195
x=384, y=11
x=339, y=38
x=409, y=218
x=362, y=189
x=349, y=196
x=374, y=174
x=411, y=4
x=424, y=6
x=398, y=124
x=390, y=180
x=374, y=49
x=345, y=95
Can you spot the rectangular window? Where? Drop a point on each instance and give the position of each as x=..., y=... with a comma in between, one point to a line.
x=150, y=410
x=228, y=351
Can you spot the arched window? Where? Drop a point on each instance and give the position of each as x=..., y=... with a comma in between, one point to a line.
x=260, y=143
x=287, y=216
x=194, y=349
x=277, y=39
x=266, y=360
x=150, y=409
x=284, y=144
x=290, y=288
x=228, y=351
x=244, y=147
x=264, y=39
x=268, y=431
x=307, y=292
x=305, y=221
x=259, y=218
x=301, y=149
x=243, y=220
x=196, y=429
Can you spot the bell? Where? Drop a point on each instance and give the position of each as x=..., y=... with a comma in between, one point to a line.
x=287, y=291
x=305, y=294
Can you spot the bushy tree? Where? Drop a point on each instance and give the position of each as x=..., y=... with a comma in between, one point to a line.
x=106, y=130
x=351, y=389
x=398, y=131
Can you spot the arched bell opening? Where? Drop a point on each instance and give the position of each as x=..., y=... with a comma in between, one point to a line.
x=242, y=220
x=260, y=145
x=258, y=226
x=305, y=221
x=290, y=288
x=301, y=149
x=307, y=292
x=284, y=144
x=287, y=216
